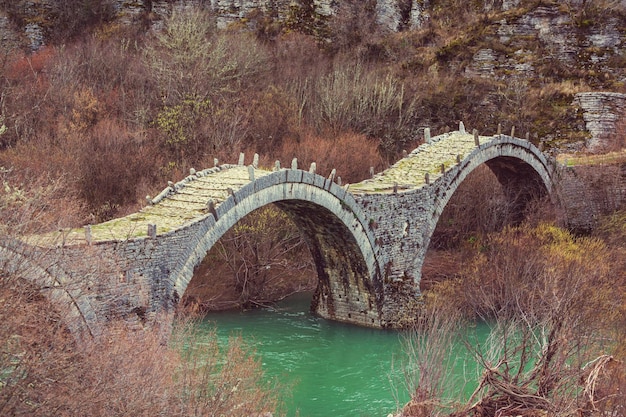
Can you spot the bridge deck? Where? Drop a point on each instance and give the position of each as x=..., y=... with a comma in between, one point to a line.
x=188, y=199
x=188, y=202
x=410, y=172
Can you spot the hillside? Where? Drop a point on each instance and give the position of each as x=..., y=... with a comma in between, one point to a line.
x=94, y=82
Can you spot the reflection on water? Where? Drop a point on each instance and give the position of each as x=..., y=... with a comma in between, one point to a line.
x=333, y=369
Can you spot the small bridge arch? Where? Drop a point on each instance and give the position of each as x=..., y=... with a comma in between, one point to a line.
x=54, y=283
x=520, y=167
x=407, y=200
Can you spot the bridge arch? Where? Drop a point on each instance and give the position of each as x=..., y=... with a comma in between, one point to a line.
x=342, y=246
x=520, y=167
x=54, y=285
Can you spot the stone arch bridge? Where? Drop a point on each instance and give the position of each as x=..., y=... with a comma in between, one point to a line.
x=368, y=240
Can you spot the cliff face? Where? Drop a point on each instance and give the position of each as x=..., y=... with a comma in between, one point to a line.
x=580, y=56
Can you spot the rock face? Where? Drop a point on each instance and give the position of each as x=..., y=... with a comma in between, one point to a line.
x=587, y=193
x=554, y=33
x=602, y=112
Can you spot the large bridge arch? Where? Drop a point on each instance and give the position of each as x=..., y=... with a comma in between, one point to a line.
x=344, y=250
x=54, y=284
x=520, y=167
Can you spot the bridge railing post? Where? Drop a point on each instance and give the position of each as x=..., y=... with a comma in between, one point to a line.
x=88, y=238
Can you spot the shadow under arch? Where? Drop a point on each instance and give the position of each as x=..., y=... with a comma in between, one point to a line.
x=520, y=167
x=53, y=284
x=343, y=249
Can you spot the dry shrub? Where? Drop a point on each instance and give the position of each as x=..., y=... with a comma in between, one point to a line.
x=354, y=30
x=297, y=57
x=617, y=142
x=555, y=304
x=359, y=99
x=31, y=204
x=45, y=372
x=189, y=58
x=112, y=69
x=478, y=206
x=428, y=364
x=350, y=154
x=193, y=129
x=110, y=164
x=25, y=88
x=249, y=267
x=273, y=118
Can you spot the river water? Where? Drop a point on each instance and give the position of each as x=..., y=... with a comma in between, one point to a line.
x=332, y=369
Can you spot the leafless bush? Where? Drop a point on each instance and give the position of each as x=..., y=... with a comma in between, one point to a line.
x=44, y=372
x=35, y=205
x=354, y=98
x=479, y=206
x=353, y=29
x=262, y=259
x=352, y=155
x=429, y=362
x=553, y=300
x=111, y=163
x=190, y=59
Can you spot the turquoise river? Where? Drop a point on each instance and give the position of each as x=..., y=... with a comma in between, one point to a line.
x=332, y=369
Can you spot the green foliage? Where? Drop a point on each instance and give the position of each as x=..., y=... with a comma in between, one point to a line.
x=178, y=123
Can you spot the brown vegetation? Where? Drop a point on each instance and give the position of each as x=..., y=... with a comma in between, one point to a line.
x=45, y=370
x=556, y=305
x=89, y=126
x=262, y=259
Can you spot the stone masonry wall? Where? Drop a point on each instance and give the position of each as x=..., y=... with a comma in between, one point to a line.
x=589, y=192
